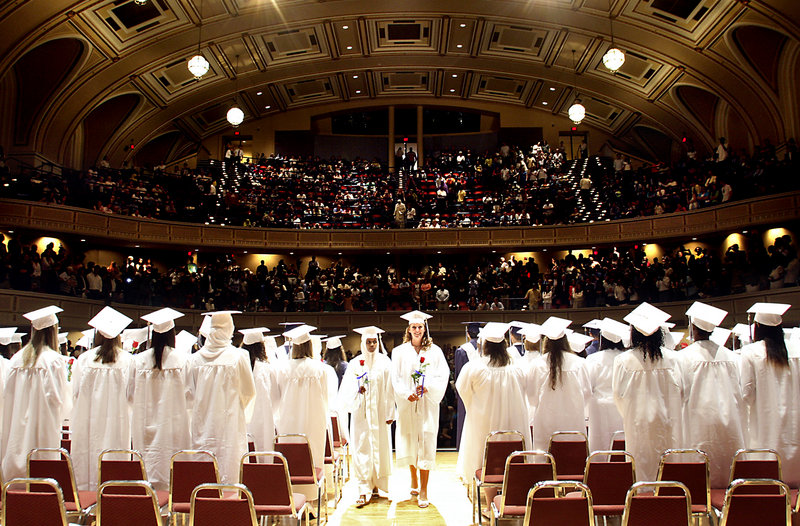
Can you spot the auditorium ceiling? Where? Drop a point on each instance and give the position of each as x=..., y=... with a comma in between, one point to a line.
x=92, y=76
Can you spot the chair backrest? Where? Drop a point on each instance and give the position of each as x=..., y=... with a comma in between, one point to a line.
x=570, y=449
x=251, y=443
x=337, y=435
x=127, y=503
x=756, y=464
x=121, y=464
x=268, y=480
x=297, y=452
x=572, y=510
x=188, y=469
x=523, y=471
x=690, y=467
x=498, y=446
x=608, y=479
x=660, y=508
x=210, y=507
x=27, y=506
x=618, y=444
x=42, y=464
x=764, y=507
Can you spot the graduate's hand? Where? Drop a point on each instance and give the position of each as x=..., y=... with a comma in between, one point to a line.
x=389, y=422
x=362, y=389
x=413, y=397
x=421, y=390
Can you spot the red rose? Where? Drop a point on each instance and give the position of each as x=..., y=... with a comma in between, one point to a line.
x=361, y=362
x=421, y=359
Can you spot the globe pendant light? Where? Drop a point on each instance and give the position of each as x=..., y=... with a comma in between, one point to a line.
x=140, y=2
x=614, y=57
x=198, y=65
x=577, y=111
x=235, y=114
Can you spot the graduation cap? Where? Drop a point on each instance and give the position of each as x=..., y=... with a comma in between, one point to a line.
x=494, y=332
x=332, y=342
x=416, y=316
x=473, y=327
x=720, y=336
x=87, y=340
x=515, y=327
x=184, y=341
x=110, y=322
x=532, y=332
x=43, y=318
x=137, y=336
x=673, y=339
x=6, y=334
x=705, y=317
x=742, y=331
x=769, y=313
x=615, y=331
x=371, y=331
x=163, y=320
x=299, y=334
x=62, y=338
x=254, y=335
x=593, y=325
x=291, y=324
x=647, y=319
x=555, y=327
x=17, y=337
x=578, y=341
x=270, y=342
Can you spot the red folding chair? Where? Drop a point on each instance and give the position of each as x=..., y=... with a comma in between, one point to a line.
x=618, y=444
x=188, y=469
x=127, y=503
x=762, y=502
x=570, y=449
x=648, y=508
x=690, y=467
x=609, y=480
x=56, y=463
x=497, y=447
x=750, y=464
x=334, y=459
x=125, y=464
x=523, y=470
x=211, y=507
x=26, y=506
x=269, y=483
x=340, y=443
x=305, y=478
x=568, y=503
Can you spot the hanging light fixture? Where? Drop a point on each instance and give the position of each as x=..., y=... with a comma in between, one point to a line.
x=614, y=57
x=577, y=111
x=140, y=2
x=198, y=65
x=235, y=114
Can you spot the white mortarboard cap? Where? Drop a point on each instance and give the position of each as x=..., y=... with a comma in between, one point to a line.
x=578, y=341
x=516, y=326
x=705, y=317
x=254, y=335
x=86, y=340
x=370, y=331
x=554, y=327
x=332, y=342
x=675, y=338
x=43, y=318
x=720, y=336
x=135, y=335
x=62, y=338
x=205, y=327
x=615, y=331
x=668, y=325
x=110, y=322
x=17, y=337
x=593, y=324
x=769, y=313
x=646, y=318
x=416, y=316
x=299, y=334
x=6, y=335
x=291, y=324
x=270, y=343
x=532, y=332
x=184, y=341
x=494, y=332
x=742, y=330
x=163, y=319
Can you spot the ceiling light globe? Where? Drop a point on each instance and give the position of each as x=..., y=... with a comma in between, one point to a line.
x=613, y=59
x=576, y=112
x=235, y=116
x=198, y=66
x=140, y=2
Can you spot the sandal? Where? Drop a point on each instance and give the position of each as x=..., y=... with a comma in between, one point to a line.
x=423, y=503
x=414, y=492
x=375, y=492
x=361, y=501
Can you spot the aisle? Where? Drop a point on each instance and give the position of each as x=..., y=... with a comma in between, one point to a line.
x=448, y=497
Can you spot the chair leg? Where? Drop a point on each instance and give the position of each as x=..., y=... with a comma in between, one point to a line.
x=480, y=510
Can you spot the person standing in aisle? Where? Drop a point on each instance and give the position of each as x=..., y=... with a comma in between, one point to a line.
x=419, y=375
x=465, y=353
x=221, y=391
x=262, y=426
x=160, y=414
x=101, y=418
x=36, y=392
x=604, y=418
x=366, y=393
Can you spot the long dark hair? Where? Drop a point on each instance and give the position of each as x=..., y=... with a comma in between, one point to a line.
x=608, y=345
x=257, y=352
x=40, y=339
x=772, y=336
x=108, y=348
x=649, y=345
x=159, y=340
x=334, y=356
x=498, y=356
x=555, y=350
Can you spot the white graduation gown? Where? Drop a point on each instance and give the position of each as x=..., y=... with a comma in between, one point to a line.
x=770, y=394
x=36, y=400
x=303, y=407
x=649, y=396
x=101, y=417
x=220, y=388
x=370, y=440
x=160, y=413
x=604, y=418
x=262, y=425
x=495, y=401
x=418, y=422
x=562, y=408
x=714, y=413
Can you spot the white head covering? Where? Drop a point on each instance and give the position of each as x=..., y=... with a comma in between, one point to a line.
x=672, y=339
x=368, y=332
x=494, y=332
x=62, y=338
x=647, y=319
x=87, y=340
x=769, y=313
x=332, y=342
x=705, y=317
x=221, y=330
x=616, y=332
x=43, y=318
x=6, y=334
x=720, y=336
x=555, y=327
x=163, y=320
x=299, y=334
x=254, y=335
x=532, y=332
x=578, y=341
x=742, y=330
x=184, y=341
x=110, y=322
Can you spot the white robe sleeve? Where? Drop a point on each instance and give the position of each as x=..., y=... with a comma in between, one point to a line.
x=59, y=389
x=348, y=398
x=437, y=375
x=247, y=386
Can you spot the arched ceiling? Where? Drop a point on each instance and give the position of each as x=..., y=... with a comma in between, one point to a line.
x=274, y=56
